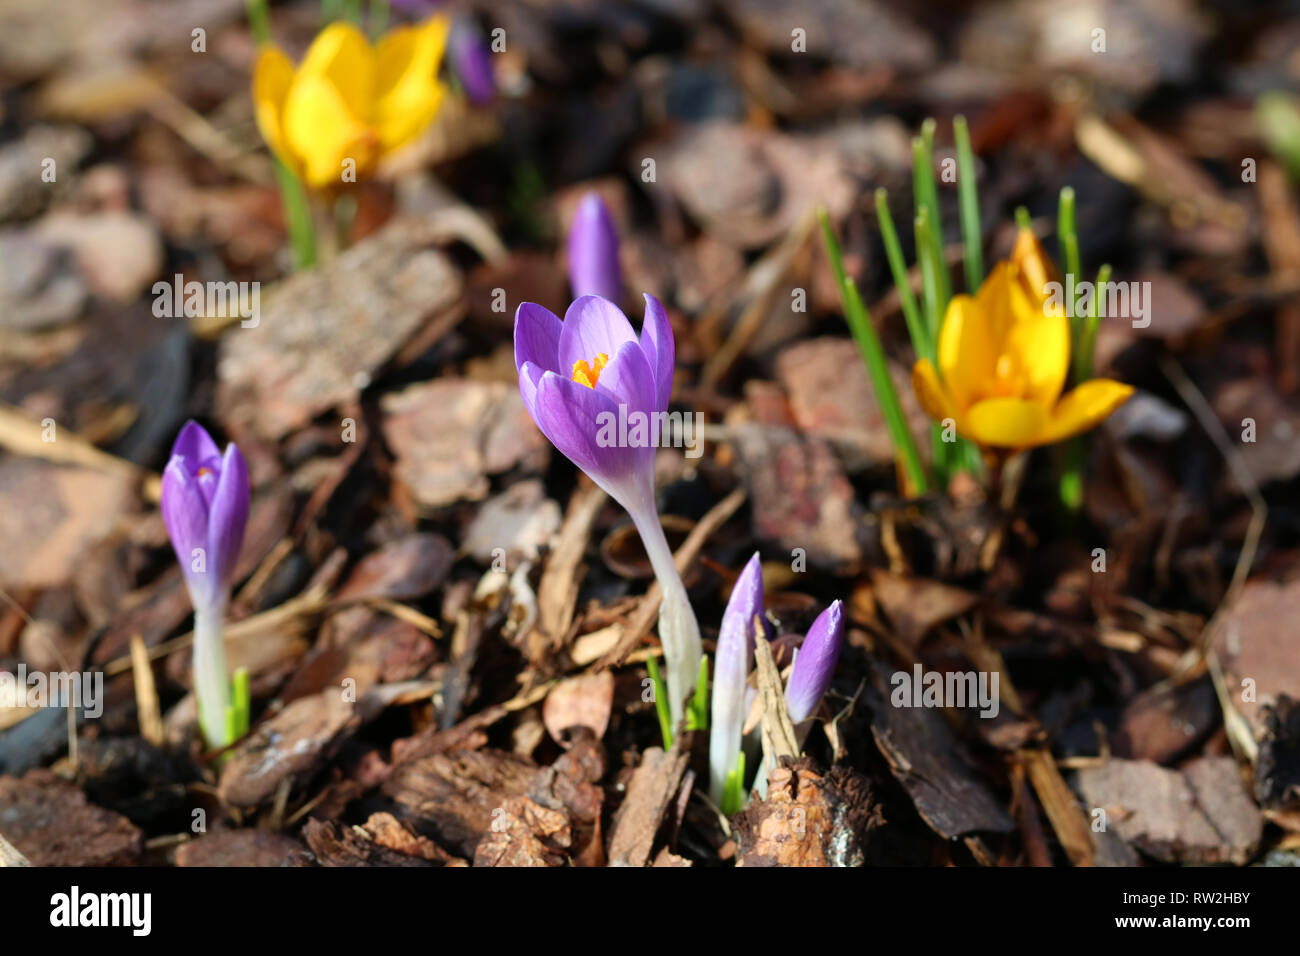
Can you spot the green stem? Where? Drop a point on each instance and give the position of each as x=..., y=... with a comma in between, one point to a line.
x=922, y=344
x=1084, y=354
x=864, y=333
x=967, y=193
x=1067, y=234
x=661, y=702
x=926, y=193
x=1071, y=486
x=259, y=20
x=378, y=18
x=297, y=215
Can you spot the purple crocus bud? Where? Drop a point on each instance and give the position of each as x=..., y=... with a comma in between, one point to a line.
x=593, y=251
x=814, y=665
x=731, y=665
x=205, y=499
x=471, y=59
x=596, y=390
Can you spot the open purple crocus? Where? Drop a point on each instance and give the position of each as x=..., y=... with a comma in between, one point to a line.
x=579, y=379
x=205, y=498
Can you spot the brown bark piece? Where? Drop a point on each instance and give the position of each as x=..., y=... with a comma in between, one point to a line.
x=336, y=845
x=1201, y=814
x=248, y=847
x=525, y=833
x=807, y=819
x=52, y=824
x=453, y=795
x=648, y=794
x=402, y=570
x=387, y=831
x=1256, y=649
x=324, y=333
x=801, y=496
x=928, y=761
x=291, y=743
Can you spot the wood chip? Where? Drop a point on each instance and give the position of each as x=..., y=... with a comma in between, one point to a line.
x=649, y=792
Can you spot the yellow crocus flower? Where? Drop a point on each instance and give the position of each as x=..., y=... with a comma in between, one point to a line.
x=348, y=100
x=1004, y=355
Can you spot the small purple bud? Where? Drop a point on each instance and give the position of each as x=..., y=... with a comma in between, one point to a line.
x=471, y=59
x=593, y=251
x=814, y=665
x=732, y=663
x=205, y=499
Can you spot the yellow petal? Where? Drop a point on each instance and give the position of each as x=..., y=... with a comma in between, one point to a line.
x=993, y=301
x=272, y=77
x=407, y=91
x=1039, y=346
x=341, y=56
x=1084, y=407
x=319, y=128
x=1005, y=423
x=931, y=393
x=967, y=354
x=1036, y=269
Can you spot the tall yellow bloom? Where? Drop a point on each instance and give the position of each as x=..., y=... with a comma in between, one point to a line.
x=1004, y=355
x=348, y=100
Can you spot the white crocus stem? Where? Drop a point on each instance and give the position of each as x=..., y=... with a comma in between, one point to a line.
x=211, y=678
x=678, y=631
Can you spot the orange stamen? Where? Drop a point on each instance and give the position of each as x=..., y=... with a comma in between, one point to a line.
x=588, y=374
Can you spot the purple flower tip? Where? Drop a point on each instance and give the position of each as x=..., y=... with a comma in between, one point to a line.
x=205, y=498
x=814, y=666
x=593, y=251
x=472, y=60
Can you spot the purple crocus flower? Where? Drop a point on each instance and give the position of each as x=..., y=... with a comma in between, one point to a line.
x=598, y=392
x=593, y=251
x=732, y=663
x=814, y=664
x=471, y=59
x=205, y=500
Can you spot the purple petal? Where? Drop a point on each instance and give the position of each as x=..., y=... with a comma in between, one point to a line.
x=592, y=326
x=731, y=665
x=745, y=603
x=529, y=375
x=593, y=251
x=570, y=415
x=814, y=666
x=196, y=447
x=657, y=343
x=627, y=379
x=228, y=518
x=472, y=60
x=537, y=338
x=185, y=514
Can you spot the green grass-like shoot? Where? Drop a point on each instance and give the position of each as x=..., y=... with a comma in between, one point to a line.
x=697, y=714
x=661, y=701
x=733, y=791
x=873, y=355
x=968, y=194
